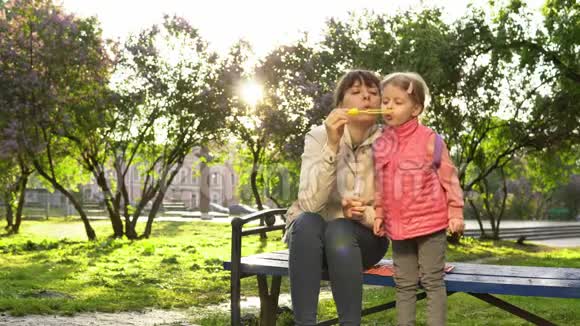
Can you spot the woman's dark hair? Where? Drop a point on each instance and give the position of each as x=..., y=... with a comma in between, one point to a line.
x=368, y=78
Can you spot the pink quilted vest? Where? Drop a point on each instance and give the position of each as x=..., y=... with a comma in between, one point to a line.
x=413, y=200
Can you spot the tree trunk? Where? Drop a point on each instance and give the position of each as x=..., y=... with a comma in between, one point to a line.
x=153, y=212
x=541, y=209
x=148, y=194
x=87, y=224
x=478, y=218
x=21, y=200
x=130, y=232
x=115, y=218
x=204, y=184
x=493, y=209
x=254, y=184
x=160, y=196
x=503, y=201
x=488, y=209
x=9, y=211
x=112, y=208
x=129, y=226
x=88, y=228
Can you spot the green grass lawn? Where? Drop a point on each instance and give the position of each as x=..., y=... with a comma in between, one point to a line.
x=180, y=267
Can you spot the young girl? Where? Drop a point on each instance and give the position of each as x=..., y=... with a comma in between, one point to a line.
x=418, y=197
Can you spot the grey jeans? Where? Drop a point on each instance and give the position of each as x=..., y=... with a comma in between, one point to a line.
x=343, y=247
x=421, y=259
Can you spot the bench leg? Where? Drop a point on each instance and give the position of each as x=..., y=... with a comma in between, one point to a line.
x=535, y=319
x=235, y=294
x=268, y=299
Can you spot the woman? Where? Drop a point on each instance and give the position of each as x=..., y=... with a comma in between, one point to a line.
x=330, y=225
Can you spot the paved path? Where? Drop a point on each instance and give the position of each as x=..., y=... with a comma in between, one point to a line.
x=154, y=317
x=473, y=225
x=561, y=243
x=469, y=225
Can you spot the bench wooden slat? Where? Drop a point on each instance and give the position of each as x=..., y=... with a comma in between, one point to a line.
x=264, y=266
x=464, y=278
x=277, y=255
x=488, y=285
x=259, y=266
x=479, y=269
x=513, y=286
x=517, y=271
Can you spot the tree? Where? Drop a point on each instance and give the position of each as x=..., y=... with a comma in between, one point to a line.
x=492, y=199
x=272, y=130
x=14, y=169
x=278, y=178
x=551, y=174
x=475, y=82
x=568, y=195
x=166, y=103
x=54, y=65
x=549, y=55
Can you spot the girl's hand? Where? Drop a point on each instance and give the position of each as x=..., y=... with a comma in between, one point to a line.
x=456, y=225
x=334, y=124
x=353, y=208
x=378, y=227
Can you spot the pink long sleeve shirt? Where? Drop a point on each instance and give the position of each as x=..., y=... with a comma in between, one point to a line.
x=413, y=196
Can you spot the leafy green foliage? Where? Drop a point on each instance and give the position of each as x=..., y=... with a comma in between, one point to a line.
x=273, y=130
x=55, y=70
x=166, y=103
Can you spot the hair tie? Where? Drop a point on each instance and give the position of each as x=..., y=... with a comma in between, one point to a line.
x=410, y=88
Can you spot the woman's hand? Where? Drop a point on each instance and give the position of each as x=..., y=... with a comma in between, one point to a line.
x=334, y=124
x=353, y=208
x=456, y=225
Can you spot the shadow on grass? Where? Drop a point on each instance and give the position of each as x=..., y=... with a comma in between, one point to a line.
x=93, y=249
x=41, y=289
x=52, y=277
x=167, y=229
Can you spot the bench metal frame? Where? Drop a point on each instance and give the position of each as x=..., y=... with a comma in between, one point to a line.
x=268, y=297
x=467, y=278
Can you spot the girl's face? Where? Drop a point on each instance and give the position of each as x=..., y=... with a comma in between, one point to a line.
x=402, y=106
x=362, y=97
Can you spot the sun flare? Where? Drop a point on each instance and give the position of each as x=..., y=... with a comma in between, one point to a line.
x=251, y=92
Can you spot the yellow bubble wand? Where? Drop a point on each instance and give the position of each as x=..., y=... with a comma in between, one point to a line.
x=355, y=111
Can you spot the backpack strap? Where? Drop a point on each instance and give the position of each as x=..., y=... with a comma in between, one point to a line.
x=437, y=151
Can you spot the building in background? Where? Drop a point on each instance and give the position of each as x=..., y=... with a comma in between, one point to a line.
x=184, y=191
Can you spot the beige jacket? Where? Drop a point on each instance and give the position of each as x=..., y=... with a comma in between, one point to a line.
x=325, y=177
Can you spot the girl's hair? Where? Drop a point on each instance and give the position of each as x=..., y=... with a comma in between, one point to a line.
x=412, y=83
x=367, y=77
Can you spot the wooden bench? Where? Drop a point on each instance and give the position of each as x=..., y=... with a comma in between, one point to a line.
x=478, y=280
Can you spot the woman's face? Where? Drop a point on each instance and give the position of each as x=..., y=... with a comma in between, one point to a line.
x=362, y=97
